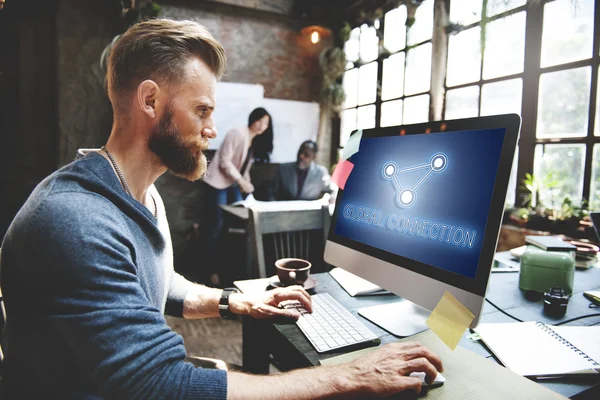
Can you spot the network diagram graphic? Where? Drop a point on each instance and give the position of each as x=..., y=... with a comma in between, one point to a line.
x=406, y=196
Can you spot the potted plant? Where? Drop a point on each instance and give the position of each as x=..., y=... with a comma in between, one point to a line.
x=564, y=217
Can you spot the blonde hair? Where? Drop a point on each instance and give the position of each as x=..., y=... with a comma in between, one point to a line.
x=158, y=49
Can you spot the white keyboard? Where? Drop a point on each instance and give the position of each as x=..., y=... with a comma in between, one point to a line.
x=330, y=326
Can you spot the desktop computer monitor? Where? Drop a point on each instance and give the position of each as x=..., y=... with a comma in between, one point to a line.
x=420, y=213
x=595, y=217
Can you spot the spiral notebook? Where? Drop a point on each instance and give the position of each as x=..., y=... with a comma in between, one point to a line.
x=538, y=350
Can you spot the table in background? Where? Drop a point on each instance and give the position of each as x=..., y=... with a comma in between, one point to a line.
x=290, y=349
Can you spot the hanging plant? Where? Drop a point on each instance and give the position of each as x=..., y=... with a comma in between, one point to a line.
x=333, y=96
x=333, y=65
x=344, y=33
x=134, y=12
x=411, y=9
x=333, y=61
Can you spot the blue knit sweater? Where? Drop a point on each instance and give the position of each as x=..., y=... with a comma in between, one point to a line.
x=86, y=273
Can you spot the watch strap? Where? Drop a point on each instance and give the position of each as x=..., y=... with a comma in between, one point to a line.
x=224, y=309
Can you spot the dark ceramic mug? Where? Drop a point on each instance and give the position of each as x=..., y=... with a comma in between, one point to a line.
x=292, y=271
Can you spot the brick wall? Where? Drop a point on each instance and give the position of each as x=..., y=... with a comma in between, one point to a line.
x=259, y=50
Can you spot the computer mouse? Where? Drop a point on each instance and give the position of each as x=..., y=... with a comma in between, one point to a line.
x=438, y=381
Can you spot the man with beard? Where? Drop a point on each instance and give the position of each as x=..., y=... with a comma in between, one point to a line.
x=87, y=265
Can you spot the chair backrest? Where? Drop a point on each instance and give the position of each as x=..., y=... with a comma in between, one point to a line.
x=289, y=233
x=2, y=321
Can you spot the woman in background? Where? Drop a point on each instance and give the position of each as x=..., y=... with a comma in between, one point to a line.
x=228, y=175
x=262, y=145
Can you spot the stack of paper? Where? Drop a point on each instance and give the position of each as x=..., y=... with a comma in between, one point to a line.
x=291, y=205
x=355, y=285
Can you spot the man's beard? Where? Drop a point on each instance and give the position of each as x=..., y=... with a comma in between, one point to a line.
x=184, y=159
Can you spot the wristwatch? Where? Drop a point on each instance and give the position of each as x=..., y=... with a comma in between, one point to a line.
x=224, y=310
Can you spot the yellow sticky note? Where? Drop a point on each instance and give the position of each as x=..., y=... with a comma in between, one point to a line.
x=449, y=320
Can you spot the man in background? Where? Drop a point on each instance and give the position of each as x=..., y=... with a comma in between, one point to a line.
x=303, y=179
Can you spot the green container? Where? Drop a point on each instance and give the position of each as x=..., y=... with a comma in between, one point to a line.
x=541, y=270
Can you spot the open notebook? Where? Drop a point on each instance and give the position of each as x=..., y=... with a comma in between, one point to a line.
x=538, y=350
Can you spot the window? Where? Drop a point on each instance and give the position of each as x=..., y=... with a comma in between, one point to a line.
x=388, y=83
x=504, y=46
x=563, y=103
x=464, y=57
x=492, y=67
x=568, y=31
x=566, y=153
x=560, y=169
x=393, y=76
x=486, y=60
x=462, y=103
x=501, y=97
x=422, y=29
x=360, y=81
x=407, y=69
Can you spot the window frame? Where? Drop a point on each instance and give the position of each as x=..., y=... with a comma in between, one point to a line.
x=530, y=76
x=378, y=100
x=482, y=23
x=531, y=85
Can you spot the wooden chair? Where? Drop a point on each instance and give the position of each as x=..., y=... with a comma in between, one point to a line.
x=289, y=233
x=2, y=323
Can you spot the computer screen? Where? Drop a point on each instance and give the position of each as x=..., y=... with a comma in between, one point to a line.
x=425, y=204
x=423, y=197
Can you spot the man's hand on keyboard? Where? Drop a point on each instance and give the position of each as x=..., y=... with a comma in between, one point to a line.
x=385, y=371
x=266, y=305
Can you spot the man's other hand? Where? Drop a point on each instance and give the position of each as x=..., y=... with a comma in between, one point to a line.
x=266, y=305
x=385, y=371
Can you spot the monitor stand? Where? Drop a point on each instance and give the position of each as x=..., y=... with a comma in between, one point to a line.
x=402, y=318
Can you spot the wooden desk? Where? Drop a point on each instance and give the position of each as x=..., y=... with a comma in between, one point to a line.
x=290, y=349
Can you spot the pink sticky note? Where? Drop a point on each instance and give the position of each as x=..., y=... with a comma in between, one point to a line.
x=341, y=173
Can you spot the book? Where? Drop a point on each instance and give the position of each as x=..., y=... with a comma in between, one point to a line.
x=504, y=261
x=517, y=252
x=534, y=349
x=355, y=285
x=585, y=263
x=550, y=243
